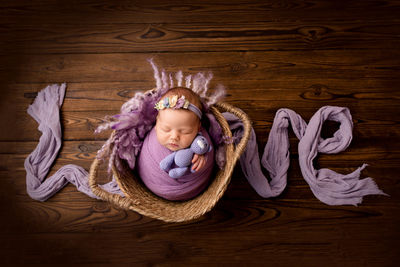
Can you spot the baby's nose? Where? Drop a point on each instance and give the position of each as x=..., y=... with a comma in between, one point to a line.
x=174, y=135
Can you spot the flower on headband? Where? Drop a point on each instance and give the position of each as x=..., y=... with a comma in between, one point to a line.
x=172, y=102
x=159, y=106
x=186, y=104
x=181, y=101
x=166, y=102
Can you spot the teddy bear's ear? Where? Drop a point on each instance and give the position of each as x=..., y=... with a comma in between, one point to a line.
x=201, y=144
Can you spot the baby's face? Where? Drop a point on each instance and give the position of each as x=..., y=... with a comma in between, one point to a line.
x=176, y=128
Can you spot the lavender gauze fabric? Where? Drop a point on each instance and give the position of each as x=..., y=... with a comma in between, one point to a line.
x=328, y=186
x=45, y=110
x=159, y=182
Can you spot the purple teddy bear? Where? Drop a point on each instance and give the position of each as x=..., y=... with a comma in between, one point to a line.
x=183, y=158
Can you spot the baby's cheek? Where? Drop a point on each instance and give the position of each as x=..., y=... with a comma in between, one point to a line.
x=164, y=139
x=160, y=137
x=188, y=140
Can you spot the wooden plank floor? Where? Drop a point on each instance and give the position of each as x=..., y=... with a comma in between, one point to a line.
x=268, y=54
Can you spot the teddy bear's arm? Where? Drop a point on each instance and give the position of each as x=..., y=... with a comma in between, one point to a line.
x=177, y=172
x=166, y=163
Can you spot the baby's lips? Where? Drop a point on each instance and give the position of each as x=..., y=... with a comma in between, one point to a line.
x=172, y=144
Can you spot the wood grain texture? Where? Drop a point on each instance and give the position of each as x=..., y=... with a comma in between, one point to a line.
x=269, y=55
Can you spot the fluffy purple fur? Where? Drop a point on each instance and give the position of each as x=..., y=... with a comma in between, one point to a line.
x=132, y=126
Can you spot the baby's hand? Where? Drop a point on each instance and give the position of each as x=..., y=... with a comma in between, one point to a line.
x=198, y=162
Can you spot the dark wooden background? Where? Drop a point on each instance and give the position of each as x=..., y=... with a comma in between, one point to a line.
x=269, y=54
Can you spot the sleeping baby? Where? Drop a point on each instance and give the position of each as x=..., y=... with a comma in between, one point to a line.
x=178, y=123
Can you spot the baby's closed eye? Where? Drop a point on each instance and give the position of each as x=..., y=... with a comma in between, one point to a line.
x=186, y=132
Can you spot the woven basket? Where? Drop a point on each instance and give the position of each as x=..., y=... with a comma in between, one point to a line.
x=140, y=199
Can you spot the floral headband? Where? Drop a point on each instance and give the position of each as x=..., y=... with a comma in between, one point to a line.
x=177, y=103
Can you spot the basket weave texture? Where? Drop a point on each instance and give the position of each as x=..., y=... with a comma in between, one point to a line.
x=140, y=199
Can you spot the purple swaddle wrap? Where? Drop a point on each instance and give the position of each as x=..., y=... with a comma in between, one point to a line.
x=159, y=182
